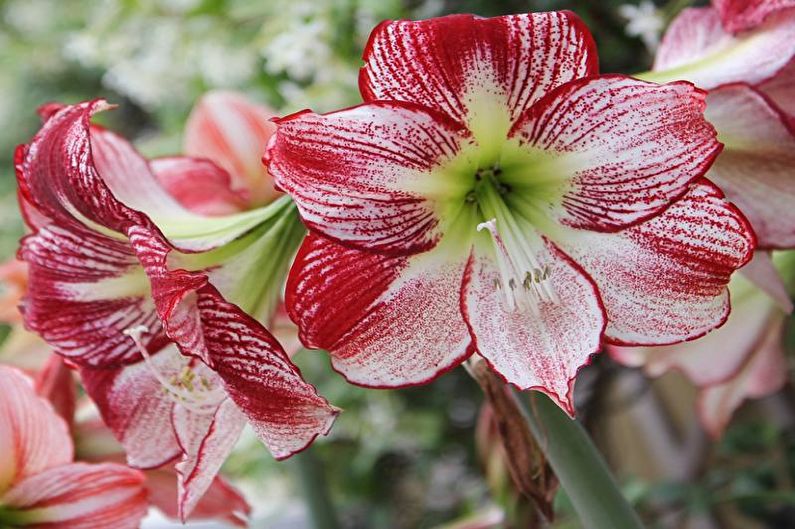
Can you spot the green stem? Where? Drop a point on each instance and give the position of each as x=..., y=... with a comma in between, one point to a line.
x=309, y=469
x=582, y=471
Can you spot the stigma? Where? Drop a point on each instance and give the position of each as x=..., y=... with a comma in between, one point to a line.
x=192, y=386
x=524, y=280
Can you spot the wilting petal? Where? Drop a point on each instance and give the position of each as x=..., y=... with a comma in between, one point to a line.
x=221, y=501
x=198, y=185
x=369, y=176
x=232, y=131
x=56, y=383
x=33, y=437
x=387, y=321
x=696, y=47
x=664, y=280
x=781, y=89
x=755, y=169
x=627, y=147
x=81, y=496
x=764, y=372
x=285, y=412
x=543, y=350
x=478, y=71
x=206, y=441
x=741, y=15
x=719, y=356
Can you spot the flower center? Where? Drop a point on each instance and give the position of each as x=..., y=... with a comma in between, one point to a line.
x=187, y=386
x=525, y=277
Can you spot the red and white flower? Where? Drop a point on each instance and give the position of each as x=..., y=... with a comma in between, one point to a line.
x=494, y=194
x=40, y=486
x=152, y=301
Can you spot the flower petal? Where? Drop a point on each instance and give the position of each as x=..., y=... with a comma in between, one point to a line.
x=697, y=48
x=33, y=437
x=450, y=63
x=134, y=405
x=386, y=321
x=206, y=441
x=370, y=176
x=721, y=355
x=628, y=148
x=542, y=351
x=755, y=169
x=742, y=15
x=198, y=185
x=81, y=496
x=56, y=383
x=664, y=280
x=221, y=501
x=763, y=373
x=285, y=412
x=232, y=131
x=780, y=90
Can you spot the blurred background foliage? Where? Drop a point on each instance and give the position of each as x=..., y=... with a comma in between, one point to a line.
x=405, y=458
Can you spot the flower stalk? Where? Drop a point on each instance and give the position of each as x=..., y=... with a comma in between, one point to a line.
x=579, y=466
x=309, y=470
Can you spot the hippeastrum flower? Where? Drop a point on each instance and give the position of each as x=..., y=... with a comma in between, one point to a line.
x=40, y=486
x=744, y=359
x=494, y=194
x=153, y=302
x=713, y=46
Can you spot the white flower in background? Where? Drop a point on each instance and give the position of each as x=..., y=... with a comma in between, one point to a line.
x=643, y=21
x=225, y=66
x=31, y=16
x=300, y=51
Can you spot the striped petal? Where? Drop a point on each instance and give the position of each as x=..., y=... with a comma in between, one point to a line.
x=136, y=408
x=720, y=356
x=221, y=502
x=743, y=15
x=371, y=176
x=232, y=131
x=541, y=349
x=664, y=280
x=697, y=48
x=621, y=149
x=755, y=169
x=478, y=71
x=33, y=437
x=206, y=441
x=386, y=321
x=80, y=496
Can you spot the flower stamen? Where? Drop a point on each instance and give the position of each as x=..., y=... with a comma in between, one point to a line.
x=528, y=282
x=188, y=388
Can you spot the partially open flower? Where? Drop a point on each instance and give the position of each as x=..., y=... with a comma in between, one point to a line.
x=494, y=194
x=40, y=486
x=153, y=302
